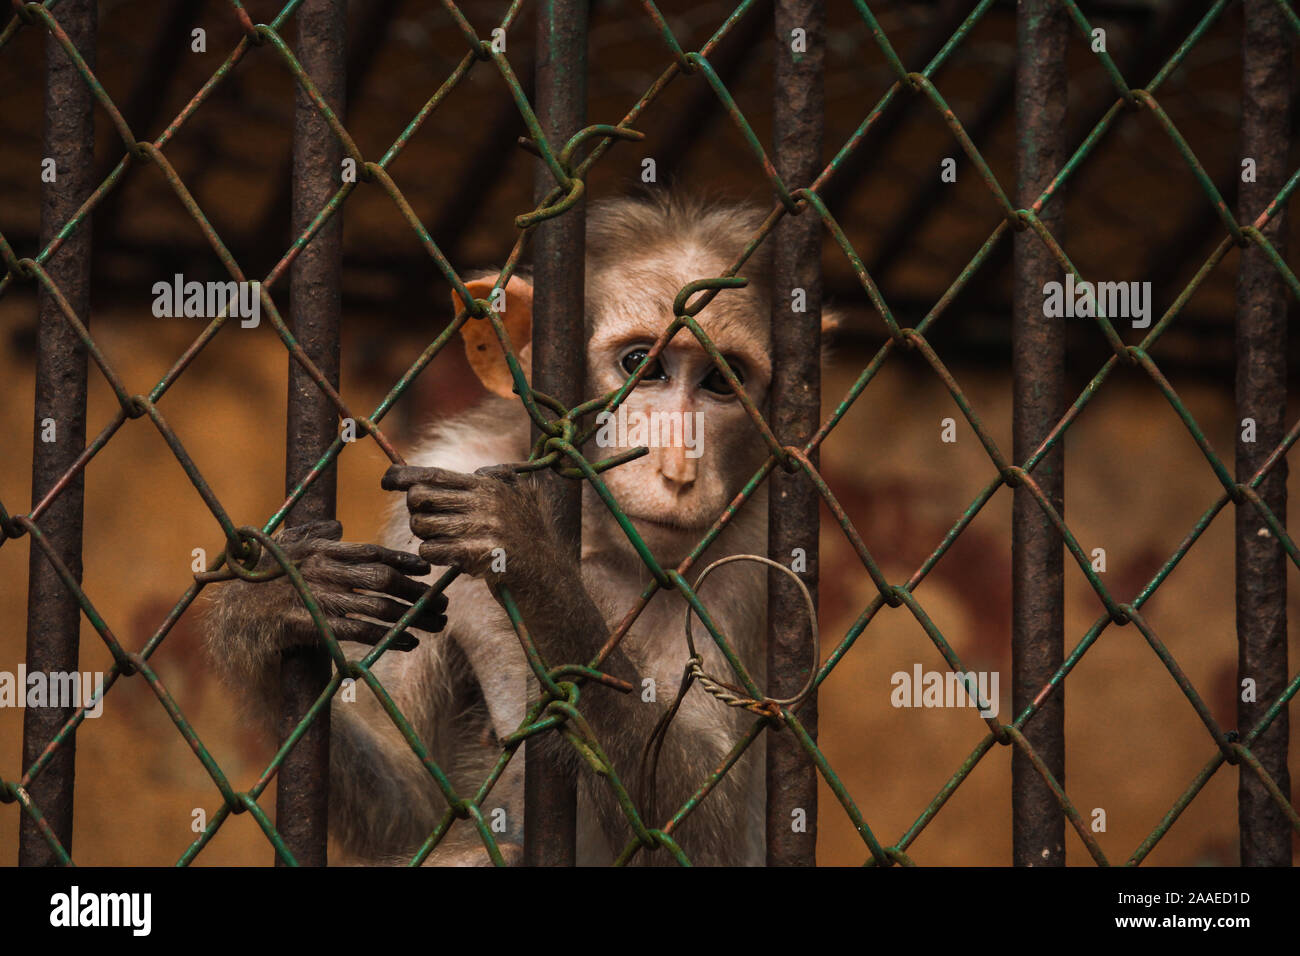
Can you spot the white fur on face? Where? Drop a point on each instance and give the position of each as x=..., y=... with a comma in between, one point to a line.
x=674, y=492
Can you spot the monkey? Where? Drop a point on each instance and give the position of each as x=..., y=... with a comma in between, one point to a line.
x=464, y=687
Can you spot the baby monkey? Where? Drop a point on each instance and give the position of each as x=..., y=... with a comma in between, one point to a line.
x=465, y=688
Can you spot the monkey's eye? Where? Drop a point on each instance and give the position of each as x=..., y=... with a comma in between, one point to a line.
x=717, y=383
x=635, y=357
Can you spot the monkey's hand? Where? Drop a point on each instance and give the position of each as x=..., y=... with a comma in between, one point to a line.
x=251, y=622
x=490, y=523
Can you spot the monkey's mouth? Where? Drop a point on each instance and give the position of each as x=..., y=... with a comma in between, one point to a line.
x=675, y=526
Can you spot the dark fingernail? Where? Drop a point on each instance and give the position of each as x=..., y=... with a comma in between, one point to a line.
x=413, y=562
x=433, y=623
x=404, y=642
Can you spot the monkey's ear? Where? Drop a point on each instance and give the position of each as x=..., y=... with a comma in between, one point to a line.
x=833, y=320
x=481, y=345
x=833, y=323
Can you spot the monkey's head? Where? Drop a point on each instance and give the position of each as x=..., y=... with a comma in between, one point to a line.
x=703, y=446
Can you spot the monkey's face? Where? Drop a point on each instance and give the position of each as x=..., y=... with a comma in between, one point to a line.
x=703, y=445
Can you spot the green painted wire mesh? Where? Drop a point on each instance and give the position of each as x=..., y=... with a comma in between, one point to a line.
x=564, y=430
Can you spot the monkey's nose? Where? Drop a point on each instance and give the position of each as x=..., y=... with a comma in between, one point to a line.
x=677, y=470
x=678, y=486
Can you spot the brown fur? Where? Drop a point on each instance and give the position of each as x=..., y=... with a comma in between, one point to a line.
x=465, y=687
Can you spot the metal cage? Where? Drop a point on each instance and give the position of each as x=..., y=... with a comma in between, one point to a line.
x=328, y=166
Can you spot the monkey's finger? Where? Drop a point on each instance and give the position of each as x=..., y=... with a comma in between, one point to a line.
x=359, y=553
x=441, y=553
x=402, y=477
x=400, y=586
x=347, y=629
x=499, y=472
x=430, y=498
x=333, y=578
x=369, y=633
x=456, y=552
x=386, y=609
x=444, y=525
x=381, y=578
x=429, y=620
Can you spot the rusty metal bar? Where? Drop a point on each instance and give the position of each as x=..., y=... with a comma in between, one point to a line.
x=559, y=369
x=1038, y=373
x=1261, y=395
x=798, y=132
x=53, y=616
x=1167, y=29
x=302, y=791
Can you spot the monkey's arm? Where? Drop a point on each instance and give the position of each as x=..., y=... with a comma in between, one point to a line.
x=461, y=519
x=382, y=801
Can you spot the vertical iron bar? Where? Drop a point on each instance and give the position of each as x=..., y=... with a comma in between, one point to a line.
x=1038, y=371
x=559, y=369
x=302, y=790
x=795, y=415
x=53, y=616
x=1261, y=395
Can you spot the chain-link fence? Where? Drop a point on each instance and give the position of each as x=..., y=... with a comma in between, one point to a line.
x=328, y=167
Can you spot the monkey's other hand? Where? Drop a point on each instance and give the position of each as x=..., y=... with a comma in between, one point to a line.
x=338, y=573
x=490, y=521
